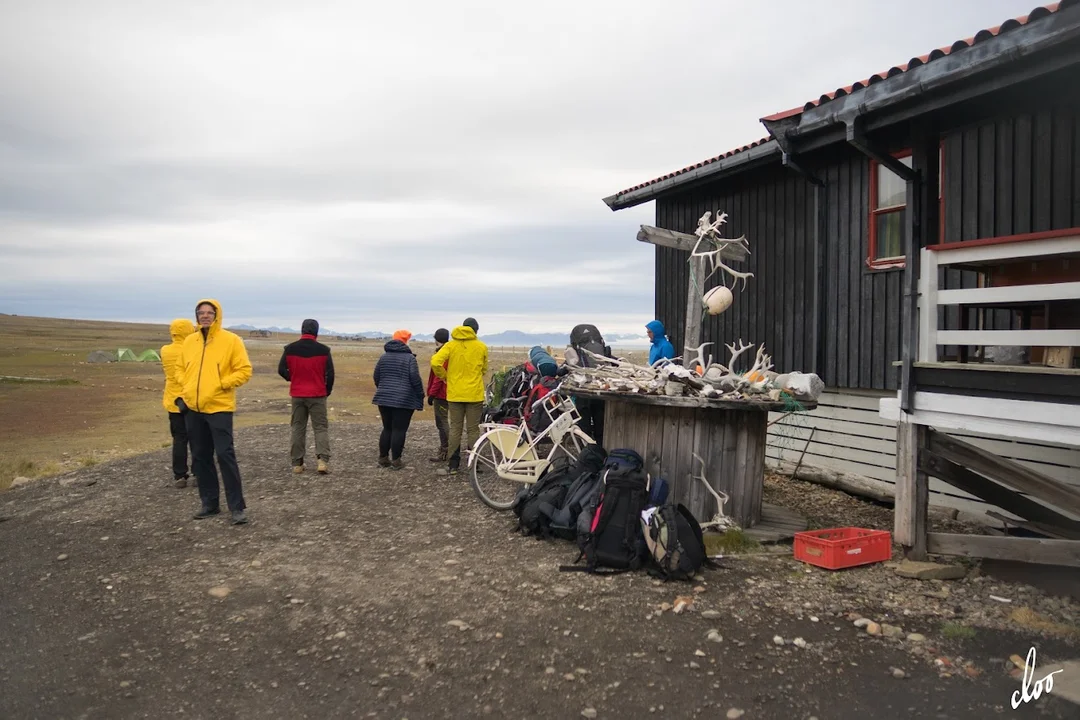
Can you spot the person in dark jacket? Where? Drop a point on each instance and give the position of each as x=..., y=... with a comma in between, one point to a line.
x=309, y=368
x=436, y=397
x=398, y=393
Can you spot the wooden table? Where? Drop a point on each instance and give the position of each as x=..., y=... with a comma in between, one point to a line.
x=729, y=435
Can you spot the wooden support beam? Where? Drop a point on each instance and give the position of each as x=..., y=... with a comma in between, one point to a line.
x=695, y=291
x=1030, y=550
x=1005, y=471
x=1053, y=532
x=999, y=495
x=686, y=242
x=912, y=489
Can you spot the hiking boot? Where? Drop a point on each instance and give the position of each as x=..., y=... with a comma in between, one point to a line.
x=439, y=457
x=181, y=482
x=206, y=512
x=384, y=461
x=297, y=469
x=323, y=467
x=397, y=464
x=239, y=517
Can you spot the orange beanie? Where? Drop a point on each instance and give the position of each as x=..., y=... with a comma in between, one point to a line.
x=403, y=335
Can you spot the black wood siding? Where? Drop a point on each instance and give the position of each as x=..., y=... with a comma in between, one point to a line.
x=1009, y=175
x=774, y=208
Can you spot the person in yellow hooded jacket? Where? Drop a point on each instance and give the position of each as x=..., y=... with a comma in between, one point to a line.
x=215, y=363
x=171, y=365
x=466, y=363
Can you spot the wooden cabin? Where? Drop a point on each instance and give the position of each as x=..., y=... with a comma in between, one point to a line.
x=915, y=241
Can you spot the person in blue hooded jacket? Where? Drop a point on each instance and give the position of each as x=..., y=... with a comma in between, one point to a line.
x=661, y=346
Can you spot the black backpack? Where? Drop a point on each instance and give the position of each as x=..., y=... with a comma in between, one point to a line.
x=613, y=539
x=536, y=503
x=675, y=542
x=587, y=337
x=584, y=487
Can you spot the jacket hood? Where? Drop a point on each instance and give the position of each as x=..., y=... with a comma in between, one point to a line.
x=396, y=346
x=463, y=332
x=180, y=328
x=309, y=327
x=216, y=325
x=657, y=328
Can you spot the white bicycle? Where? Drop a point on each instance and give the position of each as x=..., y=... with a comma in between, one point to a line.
x=506, y=458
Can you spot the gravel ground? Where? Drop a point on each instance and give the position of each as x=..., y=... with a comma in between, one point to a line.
x=376, y=593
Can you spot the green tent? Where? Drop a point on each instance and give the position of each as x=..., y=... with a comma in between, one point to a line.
x=125, y=355
x=149, y=356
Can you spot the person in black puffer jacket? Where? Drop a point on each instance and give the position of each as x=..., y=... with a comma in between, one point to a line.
x=398, y=393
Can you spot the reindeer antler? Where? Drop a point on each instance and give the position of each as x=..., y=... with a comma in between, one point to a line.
x=710, y=233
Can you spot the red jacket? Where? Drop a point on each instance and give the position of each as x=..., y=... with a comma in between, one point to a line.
x=435, y=387
x=308, y=367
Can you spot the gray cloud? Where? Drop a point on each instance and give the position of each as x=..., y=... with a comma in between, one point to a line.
x=390, y=161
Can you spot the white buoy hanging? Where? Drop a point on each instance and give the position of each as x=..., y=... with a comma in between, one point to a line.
x=717, y=300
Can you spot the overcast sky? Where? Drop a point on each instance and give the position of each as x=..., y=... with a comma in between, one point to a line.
x=384, y=165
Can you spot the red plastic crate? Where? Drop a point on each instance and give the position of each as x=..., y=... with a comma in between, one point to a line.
x=840, y=548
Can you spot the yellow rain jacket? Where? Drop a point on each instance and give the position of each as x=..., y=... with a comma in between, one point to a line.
x=466, y=359
x=171, y=364
x=214, y=366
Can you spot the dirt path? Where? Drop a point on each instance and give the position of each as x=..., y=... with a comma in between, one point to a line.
x=342, y=591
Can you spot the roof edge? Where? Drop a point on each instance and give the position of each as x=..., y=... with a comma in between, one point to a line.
x=712, y=171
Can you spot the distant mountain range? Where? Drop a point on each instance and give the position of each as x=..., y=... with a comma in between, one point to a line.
x=507, y=338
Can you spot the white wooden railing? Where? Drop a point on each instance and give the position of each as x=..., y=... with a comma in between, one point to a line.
x=931, y=297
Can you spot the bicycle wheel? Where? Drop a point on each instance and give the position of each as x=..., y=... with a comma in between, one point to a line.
x=490, y=452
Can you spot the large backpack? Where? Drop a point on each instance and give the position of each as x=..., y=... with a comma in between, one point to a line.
x=539, y=417
x=581, y=493
x=613, y=539
x=543, y=362
x=676, y=544
x=587, y=337
x=536, y=503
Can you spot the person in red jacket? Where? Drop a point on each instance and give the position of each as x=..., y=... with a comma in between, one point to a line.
x=436, y=397
x=309, y=368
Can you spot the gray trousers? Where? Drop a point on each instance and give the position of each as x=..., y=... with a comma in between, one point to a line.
x=302, y=409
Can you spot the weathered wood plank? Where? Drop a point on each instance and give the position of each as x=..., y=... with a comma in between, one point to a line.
x=986, y=180
x=1062, y=170
x=969, y=199
x=1022, y=174
x=685, y=241
x=1006, y=472
x=682, y=401
x=668, y=465
x=954, y=184
x=831, y=269
x=912, y=490
x=996, y=494
x=1030, y=550
x=695, y=291
x=857, y=202
x=1042, y=172
x=1003, y=183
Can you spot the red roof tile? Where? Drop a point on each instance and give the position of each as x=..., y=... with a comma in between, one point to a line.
x=695, y=166
x=982, y=35
x=979, y=37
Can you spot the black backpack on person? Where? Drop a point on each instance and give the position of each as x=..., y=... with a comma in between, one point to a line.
x=587, y=337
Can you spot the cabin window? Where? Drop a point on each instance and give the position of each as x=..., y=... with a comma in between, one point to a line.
x=888, y=212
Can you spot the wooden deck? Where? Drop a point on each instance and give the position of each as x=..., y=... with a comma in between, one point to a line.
x=777, y=524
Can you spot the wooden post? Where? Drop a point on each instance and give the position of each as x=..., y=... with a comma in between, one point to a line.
x=663, y=237
x=912, y=489
x=695, y=288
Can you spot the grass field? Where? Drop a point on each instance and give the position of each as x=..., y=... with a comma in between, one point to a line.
x=95, y=412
